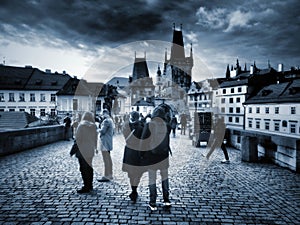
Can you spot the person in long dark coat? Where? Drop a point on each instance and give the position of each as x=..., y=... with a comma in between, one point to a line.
x=156, y=150
x=132, y=131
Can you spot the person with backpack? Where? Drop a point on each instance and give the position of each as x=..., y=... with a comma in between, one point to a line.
x=155, y=152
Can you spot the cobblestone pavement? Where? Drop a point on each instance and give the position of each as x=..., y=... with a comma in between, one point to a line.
x=38, y=186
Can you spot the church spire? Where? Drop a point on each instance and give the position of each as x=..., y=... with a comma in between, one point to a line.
x=227, y=72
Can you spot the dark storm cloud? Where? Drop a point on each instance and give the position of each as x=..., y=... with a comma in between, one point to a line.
x=257, y=29
x=79, y=21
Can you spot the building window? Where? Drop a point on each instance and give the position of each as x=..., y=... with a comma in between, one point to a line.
x=267, y=125
x=21, y=97
x=238, y=110
x=42, y=112
x=267, y=110
x=238, y=99
x=231, y=100
x=293, y=128
x=32, y=97
x=1, y=97
x=223, y=109
x=230, y=110
x=22, y=110
x=230, y=119
x=276, y=110
x=11, y=97
x=75, y=104
x=43, y=98
x=232, y=90
x=224, y=91
x=32, y=112
x=293, y=110
x=53, y=98
x=239, y=89
x=52, y=112
x=284, y=123
x=276, y=126
x=257, y=110
x=257, y=124
x=250, y=110
x=238, y=139
x=11, y=110
x=223, y=100
x=237, y=119
x=250, y=123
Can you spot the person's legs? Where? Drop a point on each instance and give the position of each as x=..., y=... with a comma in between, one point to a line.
x=107, y=164
x=165, y=184
x=223, y=147
x=86, y=174
x=152, y=187
x=134, y=183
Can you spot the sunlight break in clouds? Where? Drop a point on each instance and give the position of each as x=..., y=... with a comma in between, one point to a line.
x=238, y=19
x=213, y=19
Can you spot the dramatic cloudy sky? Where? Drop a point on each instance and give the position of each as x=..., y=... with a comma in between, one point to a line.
x=75, y=35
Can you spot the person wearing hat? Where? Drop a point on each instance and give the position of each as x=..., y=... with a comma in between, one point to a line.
x=106, y=145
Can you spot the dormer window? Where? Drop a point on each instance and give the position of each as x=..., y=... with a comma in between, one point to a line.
x=266, y=92
x=38, y=82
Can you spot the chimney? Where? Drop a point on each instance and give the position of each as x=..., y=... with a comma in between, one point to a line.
x=64, y=72
x=48, y=71
x=251, y=69
x=280, y=67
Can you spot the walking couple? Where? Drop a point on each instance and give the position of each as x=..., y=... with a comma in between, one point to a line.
x=147, y=149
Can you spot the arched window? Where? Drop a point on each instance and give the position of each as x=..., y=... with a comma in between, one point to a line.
x=284, y=123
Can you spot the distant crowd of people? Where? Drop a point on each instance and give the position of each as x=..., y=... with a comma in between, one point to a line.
x=147, y=147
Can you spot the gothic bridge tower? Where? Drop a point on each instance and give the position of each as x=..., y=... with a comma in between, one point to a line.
x=179, y=67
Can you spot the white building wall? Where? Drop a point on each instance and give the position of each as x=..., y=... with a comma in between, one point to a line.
x=17, y=105
x=283, y=118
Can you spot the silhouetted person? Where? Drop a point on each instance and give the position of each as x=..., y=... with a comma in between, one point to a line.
x=183, y=122
x=156, y=149
x=67, y=123
x=86, y=139
x=218, y=140
x=106, y=146
x=174, y=125
x=132, y=131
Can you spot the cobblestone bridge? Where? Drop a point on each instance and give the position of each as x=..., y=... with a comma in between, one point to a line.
x=38, y=186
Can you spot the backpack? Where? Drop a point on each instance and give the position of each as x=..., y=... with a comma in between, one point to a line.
x=159, y=137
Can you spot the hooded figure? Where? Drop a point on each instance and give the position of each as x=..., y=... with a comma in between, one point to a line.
x=156, y=150
x=132, y=131
x=86, y=139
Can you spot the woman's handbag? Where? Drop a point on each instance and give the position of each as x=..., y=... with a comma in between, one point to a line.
x=74, y=149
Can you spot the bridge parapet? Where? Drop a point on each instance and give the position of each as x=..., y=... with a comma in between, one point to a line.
x=281, y=150
x=13, y=141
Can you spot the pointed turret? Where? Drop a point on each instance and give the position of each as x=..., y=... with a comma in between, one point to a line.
x=227, y=72
x=158, y=71
x=140, y=68
x=177, y=50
